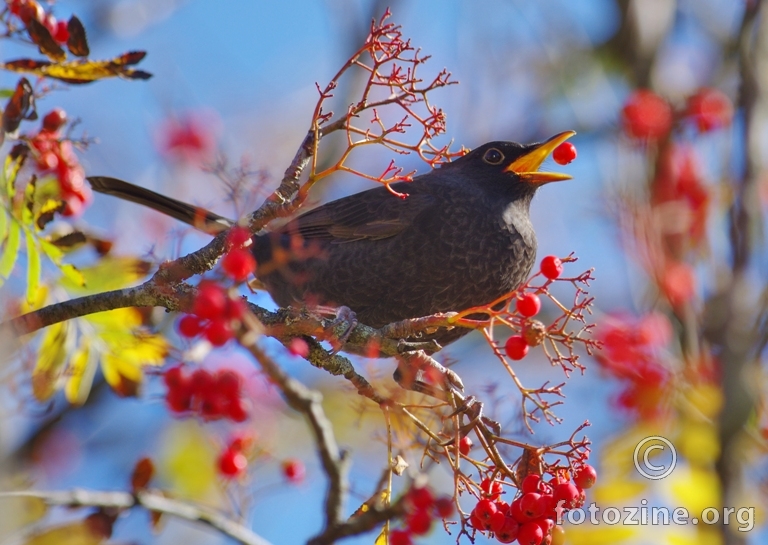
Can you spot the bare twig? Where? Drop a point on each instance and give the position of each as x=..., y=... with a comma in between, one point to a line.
x=152, y=501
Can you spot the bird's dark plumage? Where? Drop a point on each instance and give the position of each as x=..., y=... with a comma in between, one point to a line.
x=460, y=239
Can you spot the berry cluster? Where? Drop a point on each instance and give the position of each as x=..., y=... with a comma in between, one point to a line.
x=421, y=510
x=215, y=314
x=631, y=349
x=26, y=10
x=212, y=396
x=232, y=461
x=528, y=305
x=54, y=156
x=531, y=518
x=647, y=116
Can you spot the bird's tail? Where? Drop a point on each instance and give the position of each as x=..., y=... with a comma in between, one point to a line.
x=197, y=217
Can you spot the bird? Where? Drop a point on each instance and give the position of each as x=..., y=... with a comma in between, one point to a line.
x=461, y=238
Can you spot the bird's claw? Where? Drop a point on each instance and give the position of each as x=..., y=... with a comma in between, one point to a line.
x=344, y=316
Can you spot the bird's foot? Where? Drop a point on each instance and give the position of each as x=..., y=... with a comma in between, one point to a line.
x=418, y=372
x=346, y=317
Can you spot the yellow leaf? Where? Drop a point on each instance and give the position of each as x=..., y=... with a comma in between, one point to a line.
x=11, y=250
x=40, y=298
x=706, y=399
x=81, y=71
x=120, y=319
x=702, y=535
x=698, y=442
x=382, y=538
x=589, y=534
x=34, y=269
x=50, y=361
x=188, y=462
x=17, y=512
x=72, y=275
x=81, y=371
x=110, y=273
x=617, y=491
x=693, y=488
x=3, y=224
x=76, y=533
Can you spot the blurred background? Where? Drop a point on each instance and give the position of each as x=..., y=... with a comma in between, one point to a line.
x=236, y=80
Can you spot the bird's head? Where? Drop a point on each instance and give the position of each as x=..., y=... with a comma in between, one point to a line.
x=513, y=167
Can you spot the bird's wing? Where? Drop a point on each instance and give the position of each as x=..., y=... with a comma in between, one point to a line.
x=372, y=215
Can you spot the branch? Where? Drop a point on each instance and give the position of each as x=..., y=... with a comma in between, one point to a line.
x=152, y=501
x=309, y=403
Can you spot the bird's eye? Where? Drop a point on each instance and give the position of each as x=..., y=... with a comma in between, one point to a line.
x=493, y=156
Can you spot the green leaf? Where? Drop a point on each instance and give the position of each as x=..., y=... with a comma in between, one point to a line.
x=34, y=268
x=8, y=258
x=6, y=93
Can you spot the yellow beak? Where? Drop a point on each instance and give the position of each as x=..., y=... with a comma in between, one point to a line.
x=527, y=166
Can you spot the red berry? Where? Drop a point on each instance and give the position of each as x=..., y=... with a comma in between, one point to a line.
x=568, y=493
x=238, y=236
x=710, y=109
x=237, y=411
x=492, y=489
x=54, y=119
x=509, y=531
x=232, y=463
x=444, y=507
x=201, y=383
x=238, y=264
x=294, y=470
x=551, y=267
x=549, y=505
x=298, y=347
x=531, y=505
x=400, y=537
x=646, y=115
x=585, y=476
x=465, y=445
x=529, y=305
x=477, y=523
x=516, y=347
x=421, y=498
x=179, y=400
x=484, y=510
x=174, y=377
x=219, y=332
x=227, y=383
x=419, y=522
x=498, y=519
x=190, y=326
x=516, y=512
x=530, y=534
x=564, y=153
x=61, y=32
x=530, y=483
x=210, y=302
x=235, y=308
x=241, y=442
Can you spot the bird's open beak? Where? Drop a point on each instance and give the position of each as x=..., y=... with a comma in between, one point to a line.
x=527, y=166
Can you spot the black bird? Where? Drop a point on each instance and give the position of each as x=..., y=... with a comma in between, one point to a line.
x=461, y=238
